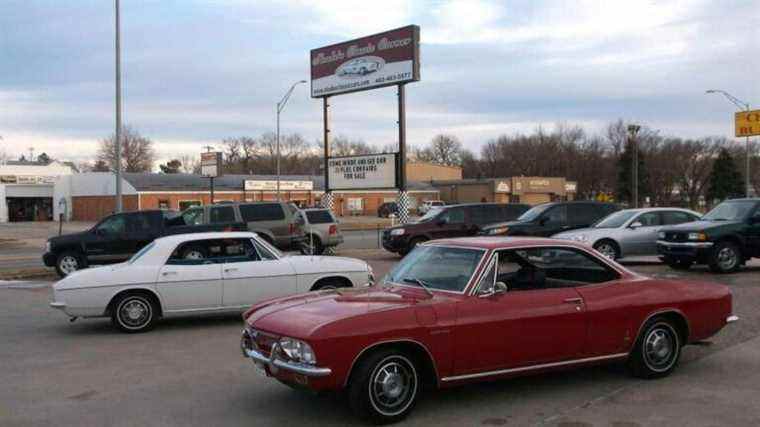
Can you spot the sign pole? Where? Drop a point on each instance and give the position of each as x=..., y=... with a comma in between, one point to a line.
x=211, y=183
x=403, y=200
x=327, y=196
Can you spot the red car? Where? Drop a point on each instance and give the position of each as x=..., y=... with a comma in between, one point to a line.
x=461, y=310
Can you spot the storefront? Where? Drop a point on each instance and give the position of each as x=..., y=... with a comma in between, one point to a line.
x=27, y=190
x=530, y=190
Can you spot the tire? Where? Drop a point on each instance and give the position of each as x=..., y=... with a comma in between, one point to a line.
x=678, y=264
x=134, y=312
x=194, y=252
x=608, y=248
x=68, y=262
x=725, y=257
x=384, y=387
x=656, y=351
x=329, y=284
x=312, y=245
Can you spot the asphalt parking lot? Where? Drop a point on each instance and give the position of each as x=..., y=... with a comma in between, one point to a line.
x=189, y=371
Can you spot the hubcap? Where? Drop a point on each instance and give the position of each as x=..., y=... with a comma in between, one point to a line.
x=606, y=250
x=69, y=264
x=659, y=349
x=134, y=313
x=393, y=386
x=727, y=258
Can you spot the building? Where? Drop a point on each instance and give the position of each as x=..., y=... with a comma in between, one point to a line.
x=421, y=171
x=27, y=189
x=530, y=190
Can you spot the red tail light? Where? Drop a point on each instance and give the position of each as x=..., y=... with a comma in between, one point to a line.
x=228, y=228
x=333, y=229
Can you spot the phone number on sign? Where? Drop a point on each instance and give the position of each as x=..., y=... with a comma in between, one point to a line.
x=393, y=77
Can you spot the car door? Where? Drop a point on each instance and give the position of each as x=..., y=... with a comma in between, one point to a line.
x=109, y=241
x=553, y=221
x=254, y=275
x=529, y=324
x=641, y=233
x=450, y=222
x=753, y=231
x=191, y=284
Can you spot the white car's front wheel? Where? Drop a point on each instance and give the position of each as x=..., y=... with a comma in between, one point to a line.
x=134, y=312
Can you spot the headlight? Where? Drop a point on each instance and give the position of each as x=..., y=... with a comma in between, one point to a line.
x=297, y=351
x=697, y=236
x=581, y=238
x=661, y=235
x=47, y=246
x=498, y=230
x=397, y=232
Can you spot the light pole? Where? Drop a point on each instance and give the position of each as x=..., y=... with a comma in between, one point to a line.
x=117, y=136
x=280, y=107
x=743, y=105
x=633, y=130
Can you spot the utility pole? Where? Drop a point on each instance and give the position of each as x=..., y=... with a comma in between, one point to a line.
x=117, y=142
x=745, y=106
x=633, y=130
x=280, y=107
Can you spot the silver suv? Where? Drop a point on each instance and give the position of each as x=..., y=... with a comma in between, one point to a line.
x=279, y=223
x=321, y=231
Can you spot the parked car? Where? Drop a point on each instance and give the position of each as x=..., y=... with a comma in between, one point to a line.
x=360, y=66
x=724, y=239
x=117, y=237
x=168, y=276
x=629, y=232
x=428, y=204
x=321, y=230
x=276, y=222
x=551, y=218
x=448, y=221
x=386, y=209
x=461, y=310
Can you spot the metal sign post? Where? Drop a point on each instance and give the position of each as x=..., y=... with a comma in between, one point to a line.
x=211, y=167
x=403, y=199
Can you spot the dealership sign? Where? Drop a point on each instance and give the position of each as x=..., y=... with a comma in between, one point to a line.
x=362, y=172
x=747, y=123
x=384, y=59
x=211, y=164
x=251, y=185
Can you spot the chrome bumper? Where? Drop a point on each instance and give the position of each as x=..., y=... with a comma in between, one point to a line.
x=685, y=244
x=732, y=318
x=275, y=364
x=58, y=305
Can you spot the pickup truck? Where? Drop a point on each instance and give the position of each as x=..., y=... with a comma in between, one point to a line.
x=724, y=239
x=117, y=237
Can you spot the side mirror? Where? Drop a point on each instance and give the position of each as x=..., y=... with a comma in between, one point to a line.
x=635, y=225
x=500, y=288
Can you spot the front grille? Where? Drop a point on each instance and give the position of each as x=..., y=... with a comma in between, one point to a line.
x=672, y=236
x=264, y=341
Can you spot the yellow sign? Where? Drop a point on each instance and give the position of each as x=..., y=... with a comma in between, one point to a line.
x=747, y=123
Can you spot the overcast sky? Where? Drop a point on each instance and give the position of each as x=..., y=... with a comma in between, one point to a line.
x=196, y=71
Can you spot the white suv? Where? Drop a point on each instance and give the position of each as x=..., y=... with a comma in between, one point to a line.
x=427, y=204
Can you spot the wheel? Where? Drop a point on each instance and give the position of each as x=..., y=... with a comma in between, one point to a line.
x=67, y=263
x=312, y=245
x=656, y=351
x=384, y=387
x=194, y=252
x=135, y=312
x=329, y=284
x=678, y=264
x=725, y=257
x=608, y=248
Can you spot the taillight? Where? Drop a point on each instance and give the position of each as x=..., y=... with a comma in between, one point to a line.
x=292, y=228
x=229, y=228
x=333, y=229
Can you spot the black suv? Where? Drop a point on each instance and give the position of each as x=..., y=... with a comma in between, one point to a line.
x=724, y=239
x=386, y=209
x=448, y=221
x=552, y=218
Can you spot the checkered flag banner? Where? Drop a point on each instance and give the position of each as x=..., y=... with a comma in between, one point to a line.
x=327, y=203
x=403, y=207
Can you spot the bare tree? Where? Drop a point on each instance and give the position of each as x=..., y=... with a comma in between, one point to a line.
x=443, y=150
x=137, y=153
x=190, y=164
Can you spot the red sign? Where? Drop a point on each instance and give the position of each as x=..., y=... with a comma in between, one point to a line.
x=384, y=59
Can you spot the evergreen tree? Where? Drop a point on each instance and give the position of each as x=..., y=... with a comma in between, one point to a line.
x=624, y=179
x=44, y=159
x=726, y=181
x=172, y=166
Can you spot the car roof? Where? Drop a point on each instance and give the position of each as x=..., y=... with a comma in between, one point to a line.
x=488, y=242
x=179, y=238
x=656, y=209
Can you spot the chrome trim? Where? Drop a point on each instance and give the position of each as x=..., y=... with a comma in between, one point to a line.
x=58, y=305
x=534, y=367
x=273, y=362
x=686, y=244
x=732, y=318
x=430, y=355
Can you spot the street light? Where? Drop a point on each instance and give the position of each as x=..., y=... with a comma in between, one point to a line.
x=117, y=135
x=745, y=106
x=280, y=107
x=633, y=130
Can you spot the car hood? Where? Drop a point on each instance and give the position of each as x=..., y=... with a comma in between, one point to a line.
x=304, y=264
x=67, y=238
x=110, y=275
x=301, y=315
x=701, y=225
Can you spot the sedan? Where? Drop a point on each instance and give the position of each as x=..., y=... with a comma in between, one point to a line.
x=629, y=232
x=460, y=310
x=201, y=272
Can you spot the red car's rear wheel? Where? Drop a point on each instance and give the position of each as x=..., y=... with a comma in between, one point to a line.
x=657, y=349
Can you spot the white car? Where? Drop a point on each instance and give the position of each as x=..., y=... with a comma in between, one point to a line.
x=429, y=204
x=200, y=272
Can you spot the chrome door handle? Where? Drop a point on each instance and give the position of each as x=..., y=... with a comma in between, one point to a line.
x=574, y=300
x=228, y=270
x=167, y=273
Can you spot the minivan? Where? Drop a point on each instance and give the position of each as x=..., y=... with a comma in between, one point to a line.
x=551, y=218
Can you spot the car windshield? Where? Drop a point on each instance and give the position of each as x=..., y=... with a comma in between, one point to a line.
x=734, y=210
x=432, y=213
x=534, y=212
x=141, y=252
x=436, y=267
x=615, y=220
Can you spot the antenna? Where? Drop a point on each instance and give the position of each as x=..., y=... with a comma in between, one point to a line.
x=208, y=148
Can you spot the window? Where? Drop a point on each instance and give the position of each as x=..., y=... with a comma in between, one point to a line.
x=193, y=216
x=185, y=204
x=163, y=204
x=557, y=214
x=488, y=280
x=677, y=217
x=541, y=268
x=438, y=267
x=453, y=216
x=214, y=251
x=486, y=214
x=116, y=224
x=354, y=204
x=265, y=250
x=141, y=252
x=221, y=214
x=649, y=219
x=319, y=217
x=262, y=212
x=140, y=223
x=582, y=213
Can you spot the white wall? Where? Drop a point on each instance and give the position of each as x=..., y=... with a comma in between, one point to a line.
x=3, y=205
x=86, y=184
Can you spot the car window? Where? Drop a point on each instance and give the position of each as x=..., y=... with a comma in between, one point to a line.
x=141, y=252
x=556, y=215
x=648, y=219
x=221, y=214
x=213, y=251
x=262, y=212
x=140, y=223
x=266, y=251
x=319, y=217
x=439, y=267
x=488, y=280
x=453, y=216
x=113, y=225
x=193, y=216
x=677, y=217
x=548, y=267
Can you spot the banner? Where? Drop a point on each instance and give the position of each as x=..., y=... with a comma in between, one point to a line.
x=362, y=172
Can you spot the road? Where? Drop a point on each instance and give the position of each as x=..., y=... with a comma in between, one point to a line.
x=189, y=371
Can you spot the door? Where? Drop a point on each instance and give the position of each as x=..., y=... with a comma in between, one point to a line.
x=532, y=323
x=191, y=284
x=452, y=222
x=753, y=232
x=143, y=229
x=552, y=221
x=640, y=237
x=109, y=241
x=254, y=276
